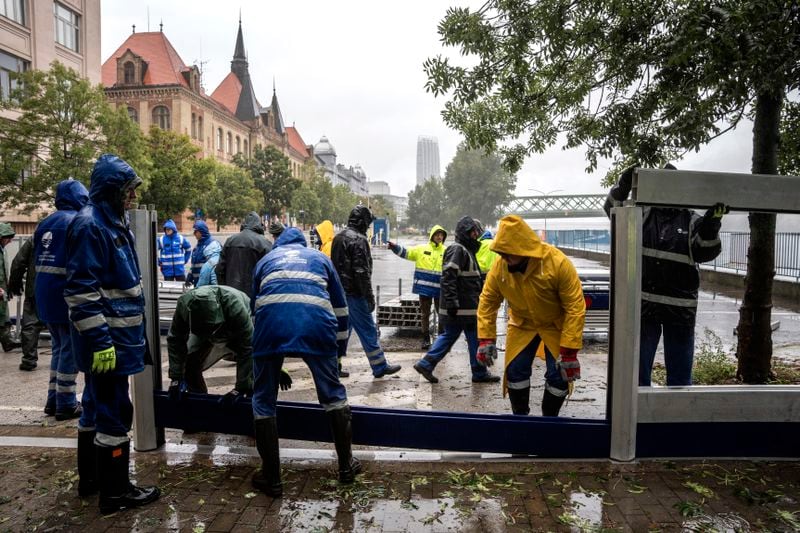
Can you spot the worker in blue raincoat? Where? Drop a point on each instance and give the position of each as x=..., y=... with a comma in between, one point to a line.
x=106, y=309
x=299, y=282
x=174, y=251
x=203, y=237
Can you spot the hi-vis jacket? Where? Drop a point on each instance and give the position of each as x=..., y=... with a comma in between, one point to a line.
x=428, y=260
x=325, y=231
x=103, y=288
x=545, y=300
x=298, y=286
x=50, y=252
x=173, y=251
x=485, y=256
x=198, y=254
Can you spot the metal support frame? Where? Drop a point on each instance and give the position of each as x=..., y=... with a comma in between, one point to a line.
x=625, y=321
x=146, y=436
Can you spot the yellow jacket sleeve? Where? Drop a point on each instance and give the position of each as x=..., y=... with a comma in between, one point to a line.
x=573, y=304
x=489, y=303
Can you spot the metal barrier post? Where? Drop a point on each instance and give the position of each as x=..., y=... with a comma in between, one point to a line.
x=625, y=322
x=145, y=434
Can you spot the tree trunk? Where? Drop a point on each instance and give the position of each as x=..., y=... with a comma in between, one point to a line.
x=754, y=350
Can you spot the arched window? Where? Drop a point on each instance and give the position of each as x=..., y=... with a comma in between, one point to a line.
x=161, y=117
x=230, y=143
x=133, y=114
x=246, y=151
x=238, y=145
x=194, y=126
x=219, y=139
x=200, y=133
x=129, y=70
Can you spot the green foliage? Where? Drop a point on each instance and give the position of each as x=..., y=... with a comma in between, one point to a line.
x=344, y=200
x=323, y=189
x=55, y=135
x=642, y=81
x=271, y=174
x=382, y=208
x=711, y=366
x=305, y=200
x=177, y=178
x=426, y=204
x=233, y=195
x=789, y=155
x=476, y=184
x=123, y=137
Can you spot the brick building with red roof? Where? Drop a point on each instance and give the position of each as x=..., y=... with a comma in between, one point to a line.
x=148, y=77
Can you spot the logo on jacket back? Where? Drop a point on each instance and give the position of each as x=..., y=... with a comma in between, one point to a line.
x=47, y=239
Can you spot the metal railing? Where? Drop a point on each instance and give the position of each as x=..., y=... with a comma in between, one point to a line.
x=733, y=256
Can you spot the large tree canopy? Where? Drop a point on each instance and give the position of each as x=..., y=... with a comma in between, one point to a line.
x=56, y=125
x=271, y=175
x=637, y=81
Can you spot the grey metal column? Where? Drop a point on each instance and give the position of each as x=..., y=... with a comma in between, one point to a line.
x=625, y=322
x=145, y=434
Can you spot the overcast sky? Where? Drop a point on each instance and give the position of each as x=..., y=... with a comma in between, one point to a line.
x=352, y=70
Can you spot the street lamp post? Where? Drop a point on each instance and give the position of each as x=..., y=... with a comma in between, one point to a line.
x=546, y=195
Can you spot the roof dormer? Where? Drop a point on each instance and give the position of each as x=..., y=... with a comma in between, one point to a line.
x=130, y=69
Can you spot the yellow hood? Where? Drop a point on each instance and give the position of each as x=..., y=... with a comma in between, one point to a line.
x=325, y=230
x=515, y=237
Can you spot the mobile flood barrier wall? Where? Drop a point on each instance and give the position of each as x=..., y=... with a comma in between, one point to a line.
x=641, y=422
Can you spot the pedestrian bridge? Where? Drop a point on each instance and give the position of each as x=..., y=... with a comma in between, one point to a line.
x=562, y=206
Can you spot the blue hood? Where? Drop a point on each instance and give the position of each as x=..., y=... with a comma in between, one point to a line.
x=170, y=224
x=202, y=227
x=71, y=195
x=290, y=236
x=110, y=177
x=486, y=235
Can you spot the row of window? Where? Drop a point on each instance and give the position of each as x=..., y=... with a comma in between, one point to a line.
x=67, y=22
x=161, y=118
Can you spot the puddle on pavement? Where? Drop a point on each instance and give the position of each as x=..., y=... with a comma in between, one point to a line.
x=584, y=511
x=720, y=523
x=392, y=515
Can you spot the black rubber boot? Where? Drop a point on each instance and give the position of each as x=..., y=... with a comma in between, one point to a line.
x=268, y=480
x=520, y=400
x=87, y=464
x=342, y=372
x=551, y=404
x=342, y=429
x=116, y=490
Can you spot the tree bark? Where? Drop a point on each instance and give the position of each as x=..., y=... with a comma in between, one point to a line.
x=754, y=349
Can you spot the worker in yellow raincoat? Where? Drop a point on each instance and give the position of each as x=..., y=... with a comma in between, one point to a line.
x=546, y=304
x=326, y=234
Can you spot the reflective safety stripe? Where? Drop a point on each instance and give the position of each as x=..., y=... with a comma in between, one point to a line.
x=375, y=352
x=342, y=335
x=110, y=440
x=461, y=312
x=669, y=256
x=555, y=391
x=341, y=311
x=706, y=244
x=52, y=386
x=669, y=300
x=432, y=272
x=335, y=405
x=116, y=294
x=519, y=385
x=125, y=321
x=89, y=323
x=66, y=377
x=66, y=388
x=294, y=299
x=469, y=273
x=51, y=270
x=427, y=283
x=78, y=299
x=451, y=265
x=294, y=274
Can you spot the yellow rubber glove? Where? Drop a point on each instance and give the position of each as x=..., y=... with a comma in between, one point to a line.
x=104, y=360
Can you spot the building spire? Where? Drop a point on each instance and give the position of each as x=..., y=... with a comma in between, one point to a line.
x=161, y=26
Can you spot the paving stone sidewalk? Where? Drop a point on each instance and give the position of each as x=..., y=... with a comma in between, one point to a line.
x=213, y=493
